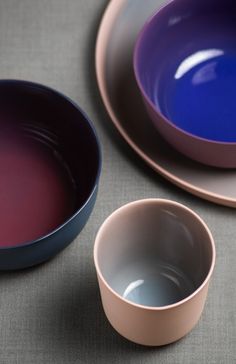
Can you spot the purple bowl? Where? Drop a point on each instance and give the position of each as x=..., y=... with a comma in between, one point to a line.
x=185, y=67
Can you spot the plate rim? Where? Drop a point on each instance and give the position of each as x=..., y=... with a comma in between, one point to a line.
x=110, y=14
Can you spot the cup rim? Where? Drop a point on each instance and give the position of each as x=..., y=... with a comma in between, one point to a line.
x=153, y=201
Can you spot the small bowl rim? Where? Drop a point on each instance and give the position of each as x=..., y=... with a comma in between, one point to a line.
x=145, y=95
x=99, y=166
x=154, y=201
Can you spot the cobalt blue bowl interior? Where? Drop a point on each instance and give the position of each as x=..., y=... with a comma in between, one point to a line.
x=50, y=118
x=187, y=66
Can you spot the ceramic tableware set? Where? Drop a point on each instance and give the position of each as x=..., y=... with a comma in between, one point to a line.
x=168, y=84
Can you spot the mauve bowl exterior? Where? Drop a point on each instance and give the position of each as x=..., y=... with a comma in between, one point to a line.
x=40, y=250
x=209, y=152
x=205, y=151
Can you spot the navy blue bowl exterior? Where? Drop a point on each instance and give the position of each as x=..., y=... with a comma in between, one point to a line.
x=85, y=137
x=32, y=254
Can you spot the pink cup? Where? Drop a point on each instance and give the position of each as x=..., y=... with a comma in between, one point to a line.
x=154, y=260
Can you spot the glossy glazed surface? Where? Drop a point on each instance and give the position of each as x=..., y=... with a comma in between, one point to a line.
x=188, y=66
x=50, y=165
x=208, y=91
x=117, y=86
x=172, y=43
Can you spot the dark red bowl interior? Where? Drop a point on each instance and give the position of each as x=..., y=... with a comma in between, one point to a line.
x=49, y=161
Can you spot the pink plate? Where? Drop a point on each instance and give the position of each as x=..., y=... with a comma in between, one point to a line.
x=114, y=50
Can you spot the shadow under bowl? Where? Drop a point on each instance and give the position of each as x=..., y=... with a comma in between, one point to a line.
x=49, y=170
x=185, y=67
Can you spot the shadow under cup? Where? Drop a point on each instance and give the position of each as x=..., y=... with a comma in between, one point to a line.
x=153, y=254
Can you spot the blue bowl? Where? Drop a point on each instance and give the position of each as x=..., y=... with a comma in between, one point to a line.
x=185, y=65
x=50, y=165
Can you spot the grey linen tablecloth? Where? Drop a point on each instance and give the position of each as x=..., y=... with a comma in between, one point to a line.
x=52, y=313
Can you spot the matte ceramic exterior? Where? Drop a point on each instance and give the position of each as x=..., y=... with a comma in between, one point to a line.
x=164, y=38
x=78, y=135
x=114, y=52
x=151, y=327
x=170, y=225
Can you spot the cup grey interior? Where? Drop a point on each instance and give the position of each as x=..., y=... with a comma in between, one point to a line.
x=154, y=253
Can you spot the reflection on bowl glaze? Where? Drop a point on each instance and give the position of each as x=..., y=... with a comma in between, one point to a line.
x=185, y=65
x=201, y=97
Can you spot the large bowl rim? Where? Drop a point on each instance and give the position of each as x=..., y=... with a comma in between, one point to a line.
x=145, y=95
x=99, y=166
x=154, y=201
